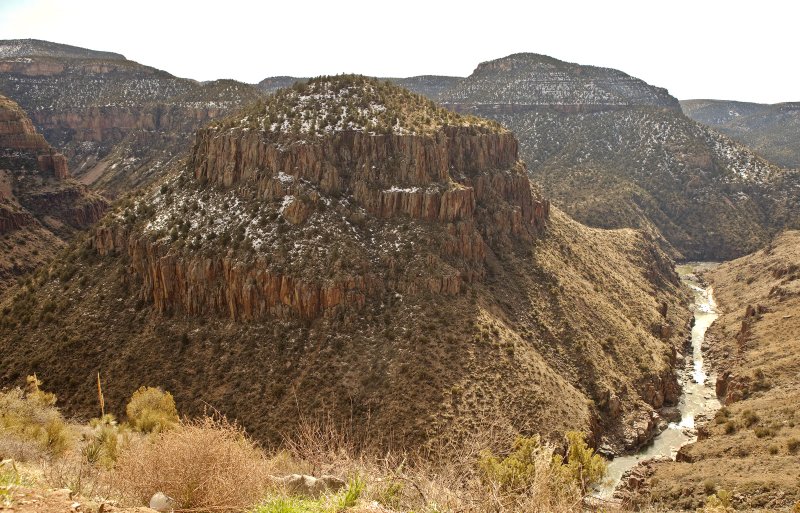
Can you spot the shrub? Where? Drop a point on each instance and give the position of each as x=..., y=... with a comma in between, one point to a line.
x=9, y=477
x=205, y=465
x=750, y=418
x=104, y=443
x=582, y=466
x=763, y=432
x=341, y=501
x=516, y=471
x=152, y=410
x=722, y=415
x=793, y=445
x=718, y=503
x=351, y=494
x=531, y=478
x=30, y=418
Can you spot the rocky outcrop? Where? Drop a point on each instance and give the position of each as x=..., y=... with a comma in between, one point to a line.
x=346, y=158
x=110, y=124
x=465, y=183
x=54, y=163
x=223, y=285
x=16, y=130
x=17, y=133
x=308, y=486
x=72, y=204
x=12, y=219
x=441, y=178
x=530, y=81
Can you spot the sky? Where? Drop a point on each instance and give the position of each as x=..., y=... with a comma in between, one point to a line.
x=697, y=49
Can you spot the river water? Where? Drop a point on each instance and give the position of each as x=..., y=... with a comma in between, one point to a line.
x=698, y=397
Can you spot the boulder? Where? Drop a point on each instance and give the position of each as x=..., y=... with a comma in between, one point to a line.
x=162, y=503
x=309, y=486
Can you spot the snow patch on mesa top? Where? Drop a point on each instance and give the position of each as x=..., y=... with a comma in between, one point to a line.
x=326, y=105
x=11, y=48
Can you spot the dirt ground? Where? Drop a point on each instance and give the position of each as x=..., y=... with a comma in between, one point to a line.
x=38, y=500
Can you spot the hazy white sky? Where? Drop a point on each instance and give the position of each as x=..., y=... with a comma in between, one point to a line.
x=697, y=49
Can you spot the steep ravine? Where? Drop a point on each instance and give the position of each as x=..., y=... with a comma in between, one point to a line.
x=698, y=399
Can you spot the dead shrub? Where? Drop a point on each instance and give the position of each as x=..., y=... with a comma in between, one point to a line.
x=205, y=465
x=19, y=449
x=322, y=445
x=461, y=476
x=81, y=477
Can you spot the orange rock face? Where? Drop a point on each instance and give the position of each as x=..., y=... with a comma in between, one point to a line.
x=16, y=129
x=54, y=163
x=471, y=186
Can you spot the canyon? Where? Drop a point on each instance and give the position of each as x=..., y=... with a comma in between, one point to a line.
x=394, y=276
x=412, y=266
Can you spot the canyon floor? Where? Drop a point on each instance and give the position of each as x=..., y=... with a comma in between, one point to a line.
x=752, y=446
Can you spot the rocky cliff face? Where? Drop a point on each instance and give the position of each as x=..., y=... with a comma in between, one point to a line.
x=467, y=182
x=39, y=204
x=114, y=119
x=614, y=152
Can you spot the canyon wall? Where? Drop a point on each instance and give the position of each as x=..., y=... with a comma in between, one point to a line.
x=469, y=186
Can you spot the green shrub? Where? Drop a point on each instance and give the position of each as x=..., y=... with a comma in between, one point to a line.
x=9, y=478
x=30, y=416
x=516, y=471
x=718, y=503
x=152, y=410
x=289, y=505
x=582, y=465
x=351, y=495
x=342, y=501
x=104, y=443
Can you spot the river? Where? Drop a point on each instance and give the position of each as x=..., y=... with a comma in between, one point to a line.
x=698, y=397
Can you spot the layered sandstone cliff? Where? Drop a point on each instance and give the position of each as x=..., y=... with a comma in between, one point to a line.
x=114, y=119
x=466, y=185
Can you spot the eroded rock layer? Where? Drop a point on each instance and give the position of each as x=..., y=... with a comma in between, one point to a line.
x=39, y=204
